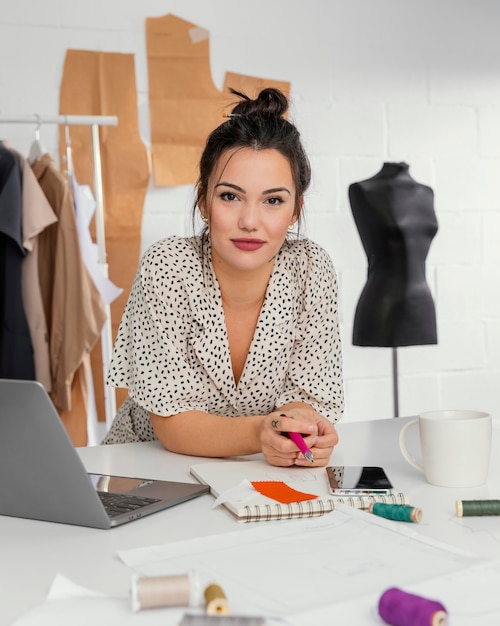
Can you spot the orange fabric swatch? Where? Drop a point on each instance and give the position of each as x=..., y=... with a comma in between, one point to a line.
x=280, y=491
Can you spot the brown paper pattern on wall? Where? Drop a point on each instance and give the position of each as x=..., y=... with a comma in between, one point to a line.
x=103, y=83
x=184, y=104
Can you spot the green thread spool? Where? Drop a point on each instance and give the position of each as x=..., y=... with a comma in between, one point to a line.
x=470, y=508
x=396, y=512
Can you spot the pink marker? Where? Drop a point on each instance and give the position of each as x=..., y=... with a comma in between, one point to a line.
x=298, y=440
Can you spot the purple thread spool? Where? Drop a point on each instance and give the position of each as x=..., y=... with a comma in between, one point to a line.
x=401, y=608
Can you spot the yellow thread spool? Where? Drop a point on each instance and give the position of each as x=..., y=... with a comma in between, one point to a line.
x=163, y=591
x=215, y=601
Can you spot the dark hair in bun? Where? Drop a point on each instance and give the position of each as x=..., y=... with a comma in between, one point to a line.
x=258, y=124
x=269, y=102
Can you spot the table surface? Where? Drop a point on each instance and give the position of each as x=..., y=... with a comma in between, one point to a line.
x=33, y=552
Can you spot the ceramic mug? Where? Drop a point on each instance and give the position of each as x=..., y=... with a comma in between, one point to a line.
x=455, y=446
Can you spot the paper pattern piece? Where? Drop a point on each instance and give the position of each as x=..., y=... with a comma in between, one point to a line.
x=184, y=103
x=103, y=83
x=281, y=492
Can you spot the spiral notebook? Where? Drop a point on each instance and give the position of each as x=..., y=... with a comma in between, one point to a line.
x=253, y=506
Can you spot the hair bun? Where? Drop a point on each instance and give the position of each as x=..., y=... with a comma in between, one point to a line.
x=269, y=102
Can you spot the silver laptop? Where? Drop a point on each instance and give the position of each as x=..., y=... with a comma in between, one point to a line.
x=42, y=476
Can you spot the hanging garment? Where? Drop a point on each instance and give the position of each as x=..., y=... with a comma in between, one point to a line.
x=37, y=215
x=16, y=353
x=73, y=307
x=85, y=207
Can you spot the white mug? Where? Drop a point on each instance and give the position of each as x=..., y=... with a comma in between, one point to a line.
x=455, y=447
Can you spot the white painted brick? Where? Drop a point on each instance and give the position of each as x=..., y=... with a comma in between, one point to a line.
x=432, y=130
x=324, y=191
x=338, y=234
x=32, y=12
x=458, y=240
x=364, y=362
x=466, y=76
x=460, y=294
x=154, y=228
x=489, y=131
x=490, y=234
x=489, y=292
x=166, y=212
x=380, y=403
x=472, y=390
x=418, y=393
x=468, y=184
x=492, y=330
x=461, y=346
x=351, y=129
x=384, y=78
x=419, y=359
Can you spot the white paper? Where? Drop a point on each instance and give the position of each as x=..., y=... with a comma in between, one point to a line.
x=330, y=569
x=242, y=492
x=284, y=569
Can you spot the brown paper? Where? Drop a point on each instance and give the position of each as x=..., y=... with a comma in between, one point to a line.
x=185, y=105
x=103, y=83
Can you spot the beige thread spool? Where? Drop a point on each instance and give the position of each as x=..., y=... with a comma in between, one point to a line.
x=215, y=601
x=163, y=591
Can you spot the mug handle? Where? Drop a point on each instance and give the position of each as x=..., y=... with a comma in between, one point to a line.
x=404, y=449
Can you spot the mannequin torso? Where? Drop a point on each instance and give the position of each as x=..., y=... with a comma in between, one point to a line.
x=396, y=221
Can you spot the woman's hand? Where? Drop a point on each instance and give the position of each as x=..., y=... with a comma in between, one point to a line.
x=319, y=434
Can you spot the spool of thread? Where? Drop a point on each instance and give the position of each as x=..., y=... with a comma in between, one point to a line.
x=215, y=601
x=400, y=608
x=163, y=591
x=397, y=512
x=469, y=508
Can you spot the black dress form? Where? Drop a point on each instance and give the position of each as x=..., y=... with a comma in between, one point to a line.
x=396, y=221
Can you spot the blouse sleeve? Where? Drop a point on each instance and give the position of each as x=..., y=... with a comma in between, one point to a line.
x=150, y=356
x=314, y=374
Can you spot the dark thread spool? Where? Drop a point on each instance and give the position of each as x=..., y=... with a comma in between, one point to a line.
x=397, y=512
x=470, y=508
x=400, y=608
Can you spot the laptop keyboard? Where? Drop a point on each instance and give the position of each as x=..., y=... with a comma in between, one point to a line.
x=119, y=503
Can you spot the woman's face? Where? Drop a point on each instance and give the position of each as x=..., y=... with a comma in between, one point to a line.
x=251, y=199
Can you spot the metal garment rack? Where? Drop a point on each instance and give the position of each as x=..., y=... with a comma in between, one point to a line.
x=94, y=121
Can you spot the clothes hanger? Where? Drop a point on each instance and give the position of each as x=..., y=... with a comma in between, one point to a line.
x=37, y=149
x=69, y=156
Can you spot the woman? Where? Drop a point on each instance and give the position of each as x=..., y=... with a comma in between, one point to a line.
x=239, y=322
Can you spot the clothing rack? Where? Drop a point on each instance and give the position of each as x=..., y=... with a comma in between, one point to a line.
x=94, y=121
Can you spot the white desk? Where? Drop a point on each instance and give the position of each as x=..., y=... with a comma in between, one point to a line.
x=32, y=552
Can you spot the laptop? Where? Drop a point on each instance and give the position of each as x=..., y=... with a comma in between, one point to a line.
x=42, y=476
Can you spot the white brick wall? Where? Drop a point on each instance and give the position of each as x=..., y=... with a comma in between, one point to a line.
x=372, y=81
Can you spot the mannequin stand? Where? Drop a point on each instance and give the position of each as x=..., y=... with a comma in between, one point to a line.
x=395, y=381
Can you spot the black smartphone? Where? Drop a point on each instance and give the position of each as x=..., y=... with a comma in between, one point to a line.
x=352, y=480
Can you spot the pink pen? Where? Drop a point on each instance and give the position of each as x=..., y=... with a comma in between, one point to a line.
x=298, y=440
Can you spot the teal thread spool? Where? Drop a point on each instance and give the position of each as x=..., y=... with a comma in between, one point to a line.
x=470, y=508
x=396, y=512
